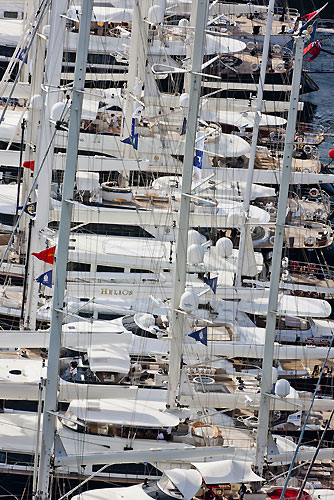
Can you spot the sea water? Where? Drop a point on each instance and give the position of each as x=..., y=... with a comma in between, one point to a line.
x=323, y=100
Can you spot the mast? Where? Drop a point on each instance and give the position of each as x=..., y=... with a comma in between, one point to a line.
x=34, y=70
x=50, y=405
x=46, y=129
x=250, y=172
x=267, y=363
x=177, y=317
x=136, y=68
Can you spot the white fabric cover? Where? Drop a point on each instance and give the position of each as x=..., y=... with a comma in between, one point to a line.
x=142, y=248
x=109, y=359
x=122, y=412
x=8, y=196
x=289, y=305
x=188, y=482
x=89, y=109
x=227, y=471
x=241, y=119
x=126, y=493
x=228, y=146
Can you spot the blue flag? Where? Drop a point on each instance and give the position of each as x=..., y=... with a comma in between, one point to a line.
x=30, y=209
x=212, y=283
x=23, y=55
x=198, y=159
x=133, y=139
x=313, y=28
x=45, y=279
x=200, y=335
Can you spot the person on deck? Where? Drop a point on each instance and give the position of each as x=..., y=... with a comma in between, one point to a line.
x=242, y=491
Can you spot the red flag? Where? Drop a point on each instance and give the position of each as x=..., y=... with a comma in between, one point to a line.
x=314, y=49
x=29, y=164
x=46, y=255
x=311, y=15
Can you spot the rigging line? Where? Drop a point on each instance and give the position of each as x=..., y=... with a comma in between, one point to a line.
x=23, y=62
x=306, y=419
x=31, y=189
x=84, y=482
x=315, y=455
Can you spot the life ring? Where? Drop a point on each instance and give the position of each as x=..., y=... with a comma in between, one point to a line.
x=272, y=239
x=306, y=171
x=309, y=341
x=255, y=67
x=319, y=212
x=294, y=265
x=314, y=192
x=276, y=49
x=251, y=45
x=271, y=209
x=311, y=268
x=324, y=342
x=279, y=67
x=307, y=149
x=310, y=240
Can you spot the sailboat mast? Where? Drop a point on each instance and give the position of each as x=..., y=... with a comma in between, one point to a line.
x=177, y=317
x=250, y=172
x=136, y=68
x=267, y=363
x=50, y=97
x=50, y=405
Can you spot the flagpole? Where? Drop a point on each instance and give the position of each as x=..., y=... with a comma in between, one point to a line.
x=25, y=280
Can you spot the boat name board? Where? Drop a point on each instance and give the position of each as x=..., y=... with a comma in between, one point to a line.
x=111, y=291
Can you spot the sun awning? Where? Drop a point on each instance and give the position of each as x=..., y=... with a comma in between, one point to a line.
x=124, y=412
x=138, y=248
x=8, y=198
x=226, y=471
x=289, y=305
x=89, y=109
x=109, y=359
x=227, y=146
x=188, y=482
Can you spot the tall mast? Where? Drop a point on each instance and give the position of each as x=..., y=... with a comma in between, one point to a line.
x=177, y=318
x=267, y=363
x=136, y=66
x=33, y=69
x=50, y=96
x=250, y=172
x=50, y=405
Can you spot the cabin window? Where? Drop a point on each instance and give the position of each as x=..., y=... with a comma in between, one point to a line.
x=88, y=315
x=109, y=269
x=6, y=51
x=140, y=271
x=107, y=316
x=19, y=459
x=7, y=219
x=8, y=14
x=129, y=469
x=78, y=267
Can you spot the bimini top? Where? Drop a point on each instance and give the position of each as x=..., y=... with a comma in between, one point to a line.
x=188, y=482
x=289, y=305
x=109, y=359
x=226, y=471
x=123, y=412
